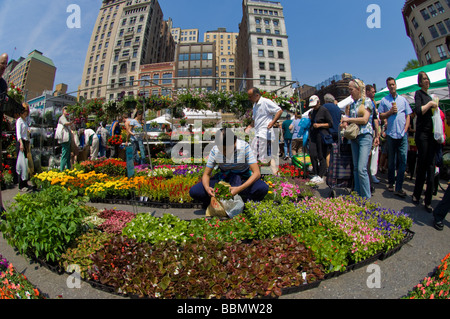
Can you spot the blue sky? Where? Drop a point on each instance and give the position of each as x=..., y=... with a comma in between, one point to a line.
x=326, y=37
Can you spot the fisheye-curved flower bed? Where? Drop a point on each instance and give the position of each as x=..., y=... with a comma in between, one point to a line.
x=266, y=251
x=436, y=286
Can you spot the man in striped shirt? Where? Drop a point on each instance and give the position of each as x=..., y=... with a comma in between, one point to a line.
x=237, y=166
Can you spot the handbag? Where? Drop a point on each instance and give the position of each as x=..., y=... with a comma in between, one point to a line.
x=351, y=132
x=327, y=139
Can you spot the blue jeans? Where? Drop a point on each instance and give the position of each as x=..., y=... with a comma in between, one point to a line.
x=288, y=147
x=361, y=150
x=398, y=152
x=138, y=144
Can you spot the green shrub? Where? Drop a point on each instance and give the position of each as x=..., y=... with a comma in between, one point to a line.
x=45, y=223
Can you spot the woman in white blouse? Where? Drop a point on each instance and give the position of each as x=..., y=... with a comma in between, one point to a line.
x=23, y=140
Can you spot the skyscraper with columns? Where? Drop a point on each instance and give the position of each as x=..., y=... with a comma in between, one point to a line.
x=127, y=34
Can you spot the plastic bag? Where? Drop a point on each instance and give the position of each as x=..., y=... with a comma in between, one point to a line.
x=234, y=207
x=438, y=127
x=374, y=161
x=22, y=166
x=226, y=208
x=59, y=133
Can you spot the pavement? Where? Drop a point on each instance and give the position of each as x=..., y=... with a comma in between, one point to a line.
x=398, y=274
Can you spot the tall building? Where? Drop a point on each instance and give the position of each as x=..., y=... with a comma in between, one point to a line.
x=185, y=35
x=226, y=43
x=262, y=48
x=127, y=34
x=427, y=24
x=33, y=74
x=195, y=66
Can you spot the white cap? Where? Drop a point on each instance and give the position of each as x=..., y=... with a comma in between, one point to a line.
x=313, y=101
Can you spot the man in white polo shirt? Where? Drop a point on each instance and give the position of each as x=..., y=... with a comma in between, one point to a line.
x=265, y=114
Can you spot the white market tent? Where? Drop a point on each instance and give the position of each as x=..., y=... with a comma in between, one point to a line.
x=201, y=115
x=407, y=82
x=160, y=120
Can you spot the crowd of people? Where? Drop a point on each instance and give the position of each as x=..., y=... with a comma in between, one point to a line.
x=392, y=137
x=85, y=143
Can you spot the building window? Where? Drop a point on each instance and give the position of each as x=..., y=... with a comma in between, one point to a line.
x=433, y=32
x=194, y=72
x=167, y=78
x=422, y=40
x=272, y=66
x=273, y=80
x=262, y=65
x=415, y=24
x=425, y=14
x=262, y=79
x=279, y=43
x=280, y=55
x=123, y=69
x=271, y=54
x=439, y=7
x=183, y=57
x=261, y=53
x=282, y=67
x=258, y=30
x=282, y=81
x=207, y=56
x=260, y=41
x=196, y=56
x=428, y=58
x=432, y=10
x=257, y=20
x=442, y=28
x=441, y=52
x=448, y=3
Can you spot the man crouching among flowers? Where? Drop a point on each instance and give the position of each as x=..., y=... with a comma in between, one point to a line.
x=238, y=167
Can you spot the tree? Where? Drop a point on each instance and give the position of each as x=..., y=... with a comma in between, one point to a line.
x=411, y=65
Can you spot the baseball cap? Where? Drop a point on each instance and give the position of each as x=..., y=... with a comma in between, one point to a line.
x=313, y=101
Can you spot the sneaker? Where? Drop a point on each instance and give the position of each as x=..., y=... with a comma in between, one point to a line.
x=439, y=226
x=401, y=194
x=320, y=181
x=314, y=179
x=375, y=180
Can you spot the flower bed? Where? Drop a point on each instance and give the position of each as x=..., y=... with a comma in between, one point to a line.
x=341, y=231
x=14, y=285
x=332, y=235
x=204, y=269
x=436, y=286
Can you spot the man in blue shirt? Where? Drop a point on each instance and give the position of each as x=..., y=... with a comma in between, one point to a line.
x=396, y=110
